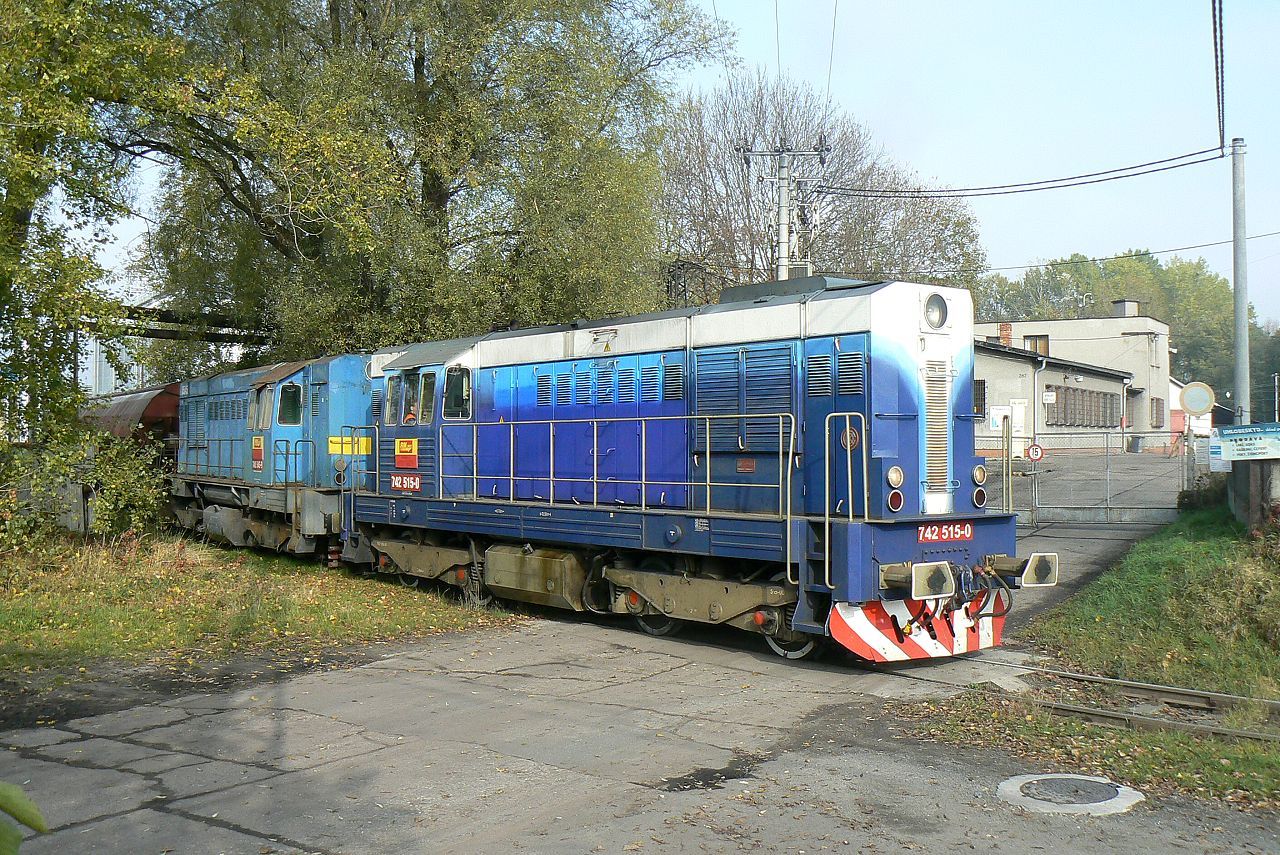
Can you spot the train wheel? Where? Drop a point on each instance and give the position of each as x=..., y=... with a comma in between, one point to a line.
x=474, y=592
x=803, y=645
x=658, y=625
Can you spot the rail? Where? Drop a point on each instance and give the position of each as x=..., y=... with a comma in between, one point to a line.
x=848, y=443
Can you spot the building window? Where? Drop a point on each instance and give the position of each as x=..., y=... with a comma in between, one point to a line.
x=1157, y=413
x=290, y=405
x=980, y=398
x=1036, y=344
x=457, y=393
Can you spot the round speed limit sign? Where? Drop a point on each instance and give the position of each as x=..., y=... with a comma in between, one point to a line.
x=1035, y=453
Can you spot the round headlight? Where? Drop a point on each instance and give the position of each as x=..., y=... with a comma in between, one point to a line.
x=979, y=474
x=894, y=476
x=979, y=498
x=895, y=500
x=935, y=311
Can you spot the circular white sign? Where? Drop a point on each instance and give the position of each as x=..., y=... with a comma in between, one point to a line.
x=1035, y=453
x=1196, y=399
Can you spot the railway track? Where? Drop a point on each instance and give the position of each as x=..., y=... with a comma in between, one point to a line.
x=1197, y=700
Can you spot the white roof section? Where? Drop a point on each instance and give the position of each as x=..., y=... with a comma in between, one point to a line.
x=814, y=307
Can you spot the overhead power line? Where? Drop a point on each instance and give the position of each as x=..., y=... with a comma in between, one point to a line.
x=1219, y=71
x=1151, y=166
x=1068, y=263
x=831, y=57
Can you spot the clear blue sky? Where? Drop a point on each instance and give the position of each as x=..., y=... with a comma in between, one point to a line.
x=977, y=93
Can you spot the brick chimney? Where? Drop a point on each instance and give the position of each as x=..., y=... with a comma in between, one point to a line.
x=1124, y=308
x=1006, y=334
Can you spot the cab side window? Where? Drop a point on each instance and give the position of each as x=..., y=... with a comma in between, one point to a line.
x=428, y=398
x=290, y=405
x=391, y=409
x=457, y=393
x=266, y=401
x=411, y=391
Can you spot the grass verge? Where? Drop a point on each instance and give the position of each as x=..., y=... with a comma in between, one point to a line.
x=67, y=603
x=1194, y=605
x=1245, y=774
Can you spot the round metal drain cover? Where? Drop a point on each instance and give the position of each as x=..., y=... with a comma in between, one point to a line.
x=1075, y=794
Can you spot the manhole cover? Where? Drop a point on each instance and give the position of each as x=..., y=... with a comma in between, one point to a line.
x=1076, y=794
x=1070, y=791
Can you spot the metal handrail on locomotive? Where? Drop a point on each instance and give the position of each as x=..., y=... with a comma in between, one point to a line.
x=796, y=461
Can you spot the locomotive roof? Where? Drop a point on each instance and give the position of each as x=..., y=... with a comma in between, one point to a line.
x=739, y=297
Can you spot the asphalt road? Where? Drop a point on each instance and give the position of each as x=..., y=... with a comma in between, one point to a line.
x=566, y=735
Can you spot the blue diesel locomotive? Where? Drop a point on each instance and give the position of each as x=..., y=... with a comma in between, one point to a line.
x=796, y=461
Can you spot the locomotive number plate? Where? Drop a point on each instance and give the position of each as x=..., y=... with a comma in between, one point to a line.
x=406, y=482
x=935, y=532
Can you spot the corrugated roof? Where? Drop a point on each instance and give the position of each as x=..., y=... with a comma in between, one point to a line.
x=283, y=370
x=431, y=353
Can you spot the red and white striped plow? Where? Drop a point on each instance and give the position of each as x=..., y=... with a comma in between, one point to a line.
x=898, y=630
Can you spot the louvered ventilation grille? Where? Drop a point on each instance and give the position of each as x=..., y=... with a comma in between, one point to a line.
x=937, y=393
x=627, y=386
x=564, y=391
x=769, y=383
x=673, y=382
x=604, y=386
x=315, y=405
x=375, y=405
x=544, y=390
x=819, y=379
x=849, y=370
x=650, y=380
x=717, y=391
x=582, y=388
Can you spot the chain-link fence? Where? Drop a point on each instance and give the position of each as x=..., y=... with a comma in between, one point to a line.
x=1106, y=475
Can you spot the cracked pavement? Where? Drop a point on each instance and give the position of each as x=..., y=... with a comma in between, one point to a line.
x=559, y=736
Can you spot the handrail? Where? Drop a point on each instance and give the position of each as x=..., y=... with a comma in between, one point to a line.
x=786, y=456
x=826, y=481
x=190, y=453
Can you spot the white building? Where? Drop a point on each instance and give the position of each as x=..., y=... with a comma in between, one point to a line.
x=1127, y=342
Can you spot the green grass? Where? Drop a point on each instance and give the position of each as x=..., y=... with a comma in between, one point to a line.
x=67, y=603
x=1196, y=605
x=1244, y=773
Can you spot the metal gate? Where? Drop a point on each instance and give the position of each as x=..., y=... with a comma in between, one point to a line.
x=1090, y=476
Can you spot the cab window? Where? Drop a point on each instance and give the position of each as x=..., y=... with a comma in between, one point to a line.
x=428, y=398
x=290, y=405
x=251, y=421
x=266, y=399
x=410, y=412
x=392, y=410
x=457, y=393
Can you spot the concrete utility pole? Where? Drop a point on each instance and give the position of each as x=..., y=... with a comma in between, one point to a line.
x=1240, y=282
x=786, y=187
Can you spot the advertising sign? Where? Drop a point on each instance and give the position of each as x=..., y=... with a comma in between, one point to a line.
x=406, y=453
x=1249, y=442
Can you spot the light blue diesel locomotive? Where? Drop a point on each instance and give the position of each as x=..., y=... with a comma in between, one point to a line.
x=796, y=461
